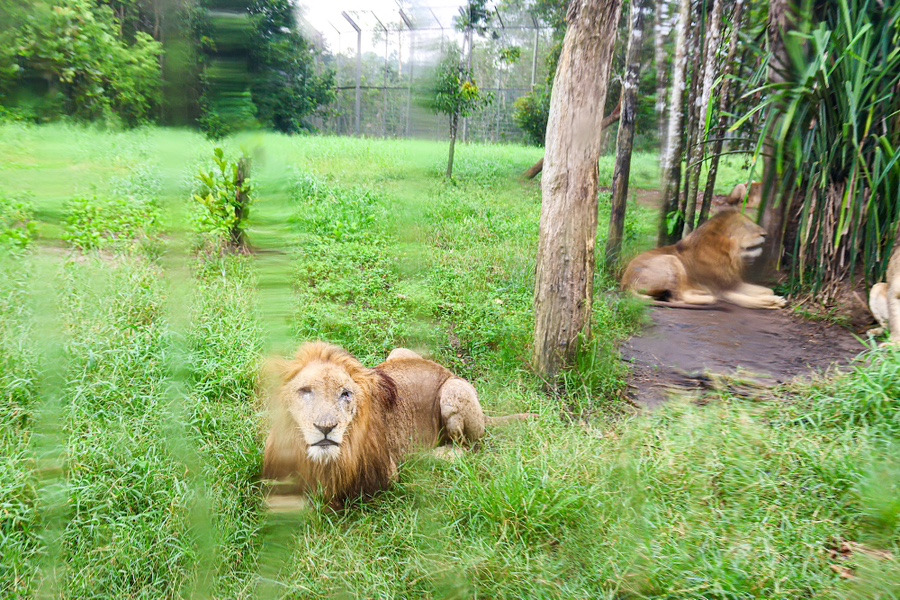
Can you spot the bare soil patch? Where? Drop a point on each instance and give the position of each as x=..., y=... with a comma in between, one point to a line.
x=686, y=349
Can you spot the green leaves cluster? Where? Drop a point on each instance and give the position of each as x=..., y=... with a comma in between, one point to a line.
x=225, y=193
x=257, y=68
x=531, y=113
x=122, y=222
x=17, y=227
x=68, y=57
x=454, y=92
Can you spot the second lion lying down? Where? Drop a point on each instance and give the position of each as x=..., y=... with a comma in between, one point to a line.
x=342, y=429
x=706, y=266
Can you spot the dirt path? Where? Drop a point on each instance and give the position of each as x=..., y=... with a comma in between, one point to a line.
x=683, y=346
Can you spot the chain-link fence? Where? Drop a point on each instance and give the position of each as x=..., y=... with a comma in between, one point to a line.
x=384, y=60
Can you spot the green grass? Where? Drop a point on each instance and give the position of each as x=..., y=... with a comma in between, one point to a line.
x=129, y=446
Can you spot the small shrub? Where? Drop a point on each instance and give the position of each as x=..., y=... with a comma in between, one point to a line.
x=225, y=193
x=17, y=227
x=124, y=221
x=532, y=112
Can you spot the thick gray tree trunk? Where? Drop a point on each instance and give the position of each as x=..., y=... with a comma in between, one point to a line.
x=724, y=104
x=698, y=151
x=625, y=138
x=564, y=283
x=672, y=153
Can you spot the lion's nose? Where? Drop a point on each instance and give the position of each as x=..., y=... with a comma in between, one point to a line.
x=325, y=428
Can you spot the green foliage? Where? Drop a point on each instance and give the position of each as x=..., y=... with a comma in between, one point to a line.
x=127, y=219
x=122, y=222
x=531, y=113
x=287, y=89
x=510, y=55
x=256, y=68
x=836, y=143
x=17, y=226
x=69, y=58
x=226, y=194
x=452, y=90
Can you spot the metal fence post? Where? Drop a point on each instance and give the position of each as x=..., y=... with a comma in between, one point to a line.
x=358, y=68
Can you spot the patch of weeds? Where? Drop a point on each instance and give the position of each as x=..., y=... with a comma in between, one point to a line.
x=119, y=223
x=866, y=398
x=811, y=311
x=17, y=225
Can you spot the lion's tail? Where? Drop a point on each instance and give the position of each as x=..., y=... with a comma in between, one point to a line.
x=685, y=305
x=507, y=419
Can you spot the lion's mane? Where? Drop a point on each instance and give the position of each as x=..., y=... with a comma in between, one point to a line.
x=364, y=465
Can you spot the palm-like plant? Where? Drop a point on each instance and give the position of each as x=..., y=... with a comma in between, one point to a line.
x=834, y=128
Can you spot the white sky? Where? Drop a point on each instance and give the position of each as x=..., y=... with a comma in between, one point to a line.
x=325, y=16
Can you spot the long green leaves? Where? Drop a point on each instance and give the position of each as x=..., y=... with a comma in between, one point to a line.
x=835, y=131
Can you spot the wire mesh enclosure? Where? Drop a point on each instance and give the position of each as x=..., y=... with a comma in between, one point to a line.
x=384, y=54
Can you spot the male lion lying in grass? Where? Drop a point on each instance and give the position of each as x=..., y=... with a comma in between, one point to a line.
x=704, y=267
x=884, y=300
x=342, y=429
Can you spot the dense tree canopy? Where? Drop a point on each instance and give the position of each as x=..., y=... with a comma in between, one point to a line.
x=70, y=58
x=232, y=63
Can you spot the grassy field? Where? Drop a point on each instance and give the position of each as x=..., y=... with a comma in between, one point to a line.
x=129, y=444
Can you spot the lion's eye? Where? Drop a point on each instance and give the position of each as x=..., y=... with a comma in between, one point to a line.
x=304, y=391
x=345, y=396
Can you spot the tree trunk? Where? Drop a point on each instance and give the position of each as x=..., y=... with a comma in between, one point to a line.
x=454, y=125
x=675, y=134
x=724, y=103
x=698, y=152
x=625, y=138
x=662, y=28
x=564, y=280
x=607, y=121
x=772, y=208
x=695, y=60
x=534, y=170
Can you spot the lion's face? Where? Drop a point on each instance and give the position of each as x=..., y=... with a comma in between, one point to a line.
x=749, y=236
x=322, y=400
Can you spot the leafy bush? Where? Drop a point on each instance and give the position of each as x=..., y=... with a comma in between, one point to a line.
x=17, y=227
x=532, y=112
x=120, y=222
x=225, y=193
x=74, y=55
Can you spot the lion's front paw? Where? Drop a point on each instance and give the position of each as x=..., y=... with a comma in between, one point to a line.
x=777, y=302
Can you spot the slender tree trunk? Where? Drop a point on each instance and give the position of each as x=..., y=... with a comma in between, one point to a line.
x=695, y=60
x=773, y=209
x=563, y=294
x=454, y=126
x=625, y=138
x=675, y=134
x=698, y=152
x=724, y=104
x=662, y=28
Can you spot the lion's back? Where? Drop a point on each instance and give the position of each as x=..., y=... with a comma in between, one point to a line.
x=418, y=384
x=653, y=273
